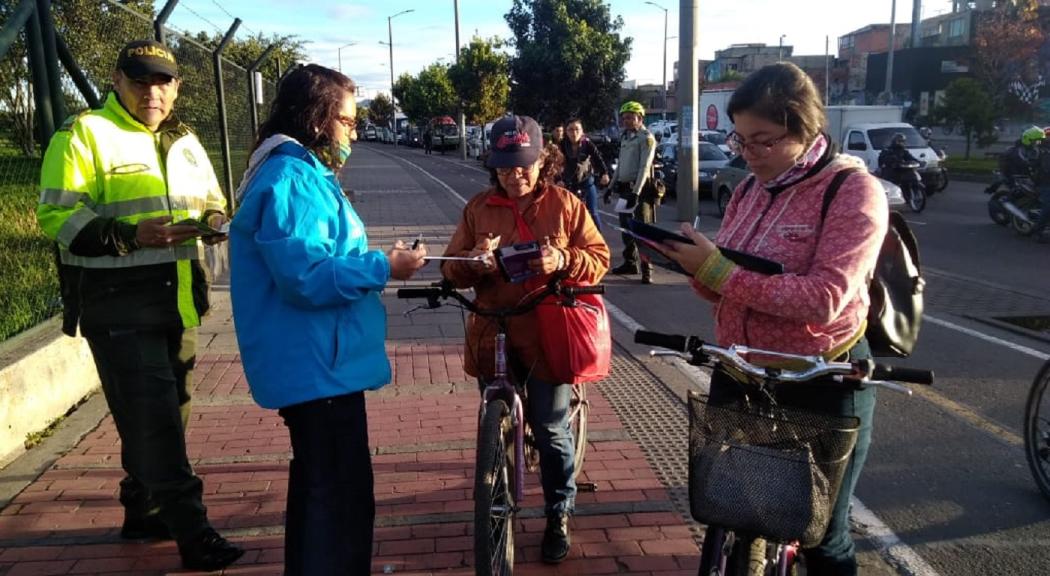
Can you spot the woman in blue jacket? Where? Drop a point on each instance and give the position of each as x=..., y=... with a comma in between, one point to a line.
x=310, y=322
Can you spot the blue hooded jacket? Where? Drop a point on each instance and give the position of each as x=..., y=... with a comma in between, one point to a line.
x=304, y=285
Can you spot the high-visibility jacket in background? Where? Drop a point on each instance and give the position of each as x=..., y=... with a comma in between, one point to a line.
x=103, y=172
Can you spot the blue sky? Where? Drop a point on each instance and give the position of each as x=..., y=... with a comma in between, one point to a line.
x=428, y=33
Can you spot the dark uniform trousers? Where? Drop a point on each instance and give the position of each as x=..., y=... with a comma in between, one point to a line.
x=146, y=375
x=644, y=211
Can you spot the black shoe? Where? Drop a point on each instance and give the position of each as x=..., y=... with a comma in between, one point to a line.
x=555, y=545
x=208, y=551
x=626, y=269
x=138, y=528
x=647, y=278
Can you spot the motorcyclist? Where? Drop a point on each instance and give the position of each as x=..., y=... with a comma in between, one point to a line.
x=892, y=157
x=1022, y=158
x=1042, y=185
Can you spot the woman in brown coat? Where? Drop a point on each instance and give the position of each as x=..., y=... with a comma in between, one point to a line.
x=524, y=204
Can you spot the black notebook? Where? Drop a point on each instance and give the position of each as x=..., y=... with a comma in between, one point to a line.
x=649, y=237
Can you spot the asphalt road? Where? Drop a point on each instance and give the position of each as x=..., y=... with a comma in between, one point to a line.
x=946, y=473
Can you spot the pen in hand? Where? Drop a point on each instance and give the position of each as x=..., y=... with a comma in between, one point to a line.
x=419, y=240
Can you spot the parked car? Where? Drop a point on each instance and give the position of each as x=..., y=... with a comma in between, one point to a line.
x=370, y=132
x=728, y=177
x=710, y=160
x=718, y=138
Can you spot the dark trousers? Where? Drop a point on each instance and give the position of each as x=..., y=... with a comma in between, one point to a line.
x=835, y=555
x=644, y=211
x=588, y=192
x=331, y=504
x=1040, y=224
x=146, y=376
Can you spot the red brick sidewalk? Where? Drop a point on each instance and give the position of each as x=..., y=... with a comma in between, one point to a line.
x=422, y=429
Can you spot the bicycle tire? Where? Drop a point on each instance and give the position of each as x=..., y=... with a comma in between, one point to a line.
x=1037, y=431
x=580, y=408
x=493, y=495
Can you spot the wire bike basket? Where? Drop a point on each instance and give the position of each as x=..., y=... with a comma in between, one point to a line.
x=771, y=471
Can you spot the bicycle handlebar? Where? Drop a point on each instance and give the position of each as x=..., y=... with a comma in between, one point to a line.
x=862, y=372
x=444, y=290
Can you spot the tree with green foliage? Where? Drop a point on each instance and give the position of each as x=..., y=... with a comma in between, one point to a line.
x=569, y=62
x=381, y=111
x=426, y=95
x=481, y=80
x=968, y=106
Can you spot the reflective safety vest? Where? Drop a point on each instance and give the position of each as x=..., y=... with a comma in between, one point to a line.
x=106, y=164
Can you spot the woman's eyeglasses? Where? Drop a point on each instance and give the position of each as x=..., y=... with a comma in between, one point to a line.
x=738, y=144
x=347, y=122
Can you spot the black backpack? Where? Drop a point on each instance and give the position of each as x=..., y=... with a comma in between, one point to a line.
x=896, y=287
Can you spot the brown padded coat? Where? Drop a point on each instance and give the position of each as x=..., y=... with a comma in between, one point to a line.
x=554, y=214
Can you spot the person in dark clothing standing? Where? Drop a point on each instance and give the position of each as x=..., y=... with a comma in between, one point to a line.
x=583, y=163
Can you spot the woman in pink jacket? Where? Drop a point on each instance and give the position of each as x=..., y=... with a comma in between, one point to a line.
x=820, y=302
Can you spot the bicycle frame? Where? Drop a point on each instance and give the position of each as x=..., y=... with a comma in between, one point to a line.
x=502, y=387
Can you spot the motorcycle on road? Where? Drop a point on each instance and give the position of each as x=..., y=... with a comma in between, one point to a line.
x=906, y=175
x=1015, y=202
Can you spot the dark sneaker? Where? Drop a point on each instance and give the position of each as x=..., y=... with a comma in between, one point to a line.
x=208, y=551
x=555, y=545
x=626, y=269
x=647, y=278
x=138, y=528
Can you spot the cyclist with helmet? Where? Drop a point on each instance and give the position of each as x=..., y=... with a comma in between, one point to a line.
x=634, y=166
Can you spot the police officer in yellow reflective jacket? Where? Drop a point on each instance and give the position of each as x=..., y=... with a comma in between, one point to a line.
x=115, y=185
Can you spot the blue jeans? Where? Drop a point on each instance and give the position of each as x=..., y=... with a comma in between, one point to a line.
x=331, y=503
x=836, y=554
x=548, y=414
x=589, y=195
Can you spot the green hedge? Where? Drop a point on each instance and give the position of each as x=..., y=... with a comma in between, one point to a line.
x=29, y=284
x=972, y=165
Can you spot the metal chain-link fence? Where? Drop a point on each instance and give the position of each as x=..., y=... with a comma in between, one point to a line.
x=94, y=31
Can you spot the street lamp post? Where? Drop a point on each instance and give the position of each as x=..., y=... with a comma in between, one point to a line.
x=339, y=53
x=390, y=44
x=780, y=50
x=663, y=84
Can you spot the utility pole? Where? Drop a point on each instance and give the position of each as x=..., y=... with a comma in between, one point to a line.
x=462, y=114
x=887, y=93
x=916, y=22
x=688, y=101
x=827, y=70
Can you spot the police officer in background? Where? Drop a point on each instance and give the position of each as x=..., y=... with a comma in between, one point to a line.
x=115, y=185
x=634, y=166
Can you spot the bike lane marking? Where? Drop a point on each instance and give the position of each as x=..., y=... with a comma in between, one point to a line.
x=1043, y=356
x=890, y=545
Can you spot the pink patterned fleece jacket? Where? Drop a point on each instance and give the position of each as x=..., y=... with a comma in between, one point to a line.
x=820, y=302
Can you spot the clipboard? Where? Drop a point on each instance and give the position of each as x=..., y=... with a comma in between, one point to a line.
x=650, y=237
x=205, y=230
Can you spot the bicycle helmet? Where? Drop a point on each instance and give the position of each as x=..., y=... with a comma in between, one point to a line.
x=633, y=107
x=1032, y=135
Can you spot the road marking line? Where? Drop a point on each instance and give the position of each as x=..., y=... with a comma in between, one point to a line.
x=981, y=335
x=889, y=544
x=428, y=175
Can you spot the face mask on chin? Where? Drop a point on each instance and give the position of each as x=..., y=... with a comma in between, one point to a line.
x=344, y=153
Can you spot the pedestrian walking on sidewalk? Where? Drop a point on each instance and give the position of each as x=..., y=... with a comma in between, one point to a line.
x=633, y=168
x=311, y=327
x=112, y=182
x=583, y=163
x=523, y=204
x=818, y=306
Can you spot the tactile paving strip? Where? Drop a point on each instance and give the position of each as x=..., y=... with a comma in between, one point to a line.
x=658, y=421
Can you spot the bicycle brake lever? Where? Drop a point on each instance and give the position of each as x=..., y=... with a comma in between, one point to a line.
x=408, y=312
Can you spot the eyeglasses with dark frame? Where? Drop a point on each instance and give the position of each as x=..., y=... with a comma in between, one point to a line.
x=737, y=144
x=347, y=122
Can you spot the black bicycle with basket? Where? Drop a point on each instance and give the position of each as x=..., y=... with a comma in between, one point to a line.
x=763, y=477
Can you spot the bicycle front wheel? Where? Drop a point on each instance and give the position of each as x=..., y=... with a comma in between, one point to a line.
x=493, y=494
x=579, y=408
x=1037, y=429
